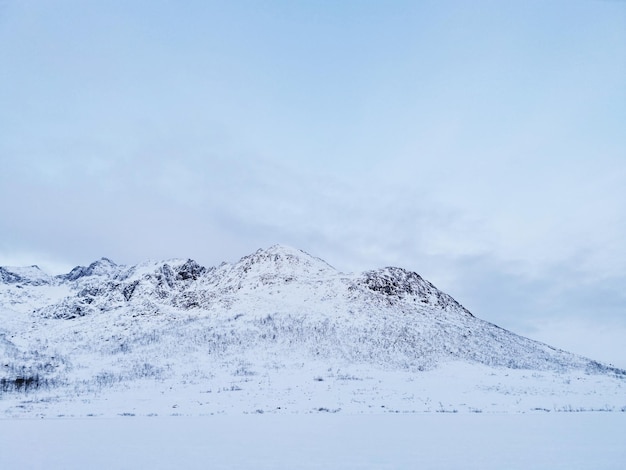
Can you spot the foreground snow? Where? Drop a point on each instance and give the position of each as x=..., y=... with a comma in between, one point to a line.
x=313, y=387
x=376, y=441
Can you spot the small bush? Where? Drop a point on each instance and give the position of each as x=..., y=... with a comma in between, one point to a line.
x=22, y=384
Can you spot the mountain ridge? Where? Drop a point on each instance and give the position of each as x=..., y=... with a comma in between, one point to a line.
x=278, y=309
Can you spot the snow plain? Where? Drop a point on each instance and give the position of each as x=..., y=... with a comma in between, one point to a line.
x=314, y=387
x=542, y=440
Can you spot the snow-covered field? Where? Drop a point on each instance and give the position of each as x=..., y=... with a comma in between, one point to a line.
x=541, y=440
x=314, y=387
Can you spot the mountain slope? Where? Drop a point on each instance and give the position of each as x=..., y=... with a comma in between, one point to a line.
x=278, y=313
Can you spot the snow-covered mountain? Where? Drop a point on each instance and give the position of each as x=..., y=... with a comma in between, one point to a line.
x=278, y=330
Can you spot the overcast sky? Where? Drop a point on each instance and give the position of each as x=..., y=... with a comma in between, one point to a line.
x=481, y=144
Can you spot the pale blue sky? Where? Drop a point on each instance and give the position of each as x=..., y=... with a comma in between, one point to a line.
x=480, y=144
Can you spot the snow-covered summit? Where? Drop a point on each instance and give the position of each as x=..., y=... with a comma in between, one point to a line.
x=282, y=259
x=398, y=283
x=184, y=268
x=101, y=267
x=31, y=275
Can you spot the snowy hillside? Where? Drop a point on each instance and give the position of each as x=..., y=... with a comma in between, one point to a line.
x=278, y=331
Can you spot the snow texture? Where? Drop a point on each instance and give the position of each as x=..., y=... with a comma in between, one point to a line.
x=280, y=331
x=547, y=441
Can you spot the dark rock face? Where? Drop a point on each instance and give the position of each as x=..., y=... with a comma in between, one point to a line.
x=190, y=270
x=97, y=267
x=129, y=289
x=76, y=273
x=29, y=276
x=398, y=283
x=7, y=277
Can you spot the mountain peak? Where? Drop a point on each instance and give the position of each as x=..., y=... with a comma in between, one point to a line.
x=279, y=249
x=101, y=267
x=400, y=283
x=27, y=275
x=283, y=259
x=103, y=261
